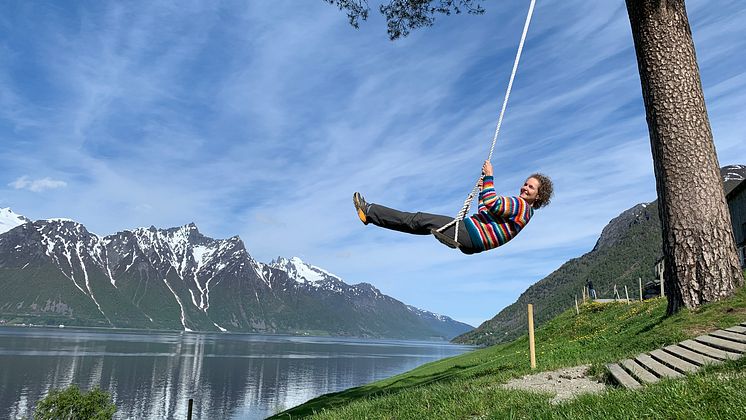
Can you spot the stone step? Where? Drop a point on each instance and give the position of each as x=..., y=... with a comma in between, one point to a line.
x=737, y=329
x=676, y=360
x=726, y=345
x=708, y=350
x=691, y=356
x=656, y=367
x=622, y=377
x=673, y=361
x=729, y=335
x=639, y=372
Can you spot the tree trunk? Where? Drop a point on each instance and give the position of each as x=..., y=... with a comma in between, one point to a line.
x=698, y=245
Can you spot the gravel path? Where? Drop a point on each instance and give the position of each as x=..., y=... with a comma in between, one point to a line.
x=565, y=383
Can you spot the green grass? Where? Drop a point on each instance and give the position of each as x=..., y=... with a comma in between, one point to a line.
x=468, y=386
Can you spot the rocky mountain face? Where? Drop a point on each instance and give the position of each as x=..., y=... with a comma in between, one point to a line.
x=628, y=248
x=56, y=272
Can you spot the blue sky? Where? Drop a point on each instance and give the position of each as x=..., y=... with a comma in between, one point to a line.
x=260, y=119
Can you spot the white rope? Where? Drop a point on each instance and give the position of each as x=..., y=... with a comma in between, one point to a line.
x=512, y=76
x=467, y=203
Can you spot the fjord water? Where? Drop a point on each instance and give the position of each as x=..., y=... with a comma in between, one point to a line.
x=154, y=374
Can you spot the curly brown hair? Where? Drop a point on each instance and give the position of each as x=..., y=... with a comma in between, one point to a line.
x=546, y=190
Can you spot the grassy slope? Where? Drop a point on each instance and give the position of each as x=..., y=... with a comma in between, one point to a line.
x=468, y=386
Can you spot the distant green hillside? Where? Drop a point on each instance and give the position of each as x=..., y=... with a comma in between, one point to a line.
x=627, y=250
x=469, y=386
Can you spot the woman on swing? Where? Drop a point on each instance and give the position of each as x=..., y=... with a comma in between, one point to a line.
x=498, y=219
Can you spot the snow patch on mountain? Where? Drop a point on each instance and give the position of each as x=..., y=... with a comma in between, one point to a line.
x=181, y=306
x=200, y=253
x=303, y=273
x=79, y=251
x=734, y=173
x=9, y=219
x=428, y=314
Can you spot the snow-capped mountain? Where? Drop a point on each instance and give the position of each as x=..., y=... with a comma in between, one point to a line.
x=302, y=272
x=734, y=172
x=9, y=220
x=55, y=271
x=732, y=176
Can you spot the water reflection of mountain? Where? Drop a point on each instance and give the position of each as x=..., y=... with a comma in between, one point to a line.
x=153, y=375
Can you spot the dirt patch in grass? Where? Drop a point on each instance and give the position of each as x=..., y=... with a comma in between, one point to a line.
x=699, y=330
x=736, y=311
x=565, y=383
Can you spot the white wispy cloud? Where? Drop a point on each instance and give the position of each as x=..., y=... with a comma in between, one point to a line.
x=37, y=185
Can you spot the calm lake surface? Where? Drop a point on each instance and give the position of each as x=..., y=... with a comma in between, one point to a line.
x=229, y=376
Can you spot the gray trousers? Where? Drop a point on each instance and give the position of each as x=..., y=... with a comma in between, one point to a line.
x=418, y=224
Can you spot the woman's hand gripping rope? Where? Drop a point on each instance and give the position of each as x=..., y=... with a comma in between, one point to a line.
x=486, y=171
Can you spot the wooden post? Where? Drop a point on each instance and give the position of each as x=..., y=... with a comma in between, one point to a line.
x=640, y=281
x=626, y=293
x=531, y=347
x=577, y=310
x=663, y=291
x=189, y=411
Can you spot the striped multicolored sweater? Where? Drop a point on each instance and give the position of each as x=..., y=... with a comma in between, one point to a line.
x=498, y=219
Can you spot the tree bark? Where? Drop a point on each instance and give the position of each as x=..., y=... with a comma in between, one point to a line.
x=701, y=264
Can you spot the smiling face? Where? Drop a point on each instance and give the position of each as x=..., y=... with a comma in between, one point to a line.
x=530, y=190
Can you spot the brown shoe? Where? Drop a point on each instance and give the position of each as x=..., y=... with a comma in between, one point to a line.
x=361, y=206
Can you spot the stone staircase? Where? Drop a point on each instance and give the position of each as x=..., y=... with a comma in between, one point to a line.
x=679, y=359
